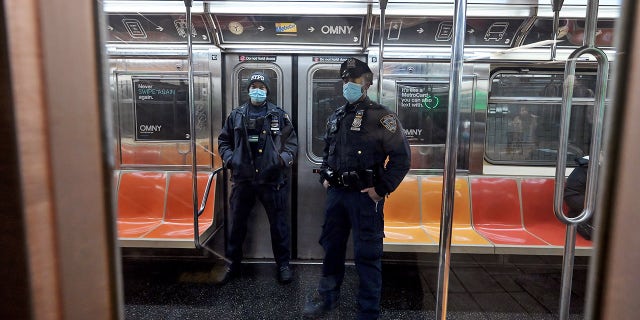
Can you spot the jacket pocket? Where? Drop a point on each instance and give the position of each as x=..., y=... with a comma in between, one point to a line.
x=271, y=165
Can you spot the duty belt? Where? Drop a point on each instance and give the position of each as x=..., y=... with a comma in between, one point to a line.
x=355, y=180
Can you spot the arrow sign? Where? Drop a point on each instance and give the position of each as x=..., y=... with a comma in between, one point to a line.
x=261, y=28
x=311, y=29
x=420, y=30
x=159, y=28
x=110, y=28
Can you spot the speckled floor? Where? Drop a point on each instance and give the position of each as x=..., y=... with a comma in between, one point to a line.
x=480, y=288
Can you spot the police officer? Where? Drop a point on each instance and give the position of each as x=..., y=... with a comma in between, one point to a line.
x=360, y=136
x=258, y=143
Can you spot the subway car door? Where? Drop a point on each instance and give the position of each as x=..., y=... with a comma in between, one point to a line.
x=238, y=68
x=319, y=94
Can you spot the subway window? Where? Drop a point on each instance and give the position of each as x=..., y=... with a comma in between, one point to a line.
x=523, y=117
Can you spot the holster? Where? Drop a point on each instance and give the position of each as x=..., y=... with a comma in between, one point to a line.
x=354, y=180
x=357, y=180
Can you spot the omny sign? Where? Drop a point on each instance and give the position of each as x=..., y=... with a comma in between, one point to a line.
x=161, y=109
x=287, y=29
x=336, y=29
x=422, y=110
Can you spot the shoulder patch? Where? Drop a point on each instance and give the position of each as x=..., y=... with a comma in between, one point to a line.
x=389, y=122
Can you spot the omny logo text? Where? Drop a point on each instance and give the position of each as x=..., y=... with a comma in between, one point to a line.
x=149, y=128
x=336, y=29
x=412, y=132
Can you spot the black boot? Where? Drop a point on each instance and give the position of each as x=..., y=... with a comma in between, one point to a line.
x=230, y=272
x=285, y=274
x=318, y=305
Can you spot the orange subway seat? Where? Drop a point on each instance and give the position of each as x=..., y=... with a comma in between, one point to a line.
x=538, y=215
x=402, y=214
x=462, y=231
x=141, y=201
x=178, y=218
x=496, y=212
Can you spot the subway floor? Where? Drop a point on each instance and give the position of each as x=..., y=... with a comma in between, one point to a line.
x=481, y=287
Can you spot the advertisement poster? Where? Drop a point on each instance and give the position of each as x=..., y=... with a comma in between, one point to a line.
x=161, y=109
x=422, y=110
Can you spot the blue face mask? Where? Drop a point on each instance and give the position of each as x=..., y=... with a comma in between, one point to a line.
x=257, y=95
x=352, y=91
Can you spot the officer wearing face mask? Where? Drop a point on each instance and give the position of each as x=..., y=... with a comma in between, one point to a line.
x=366, y=156
x=258, y=143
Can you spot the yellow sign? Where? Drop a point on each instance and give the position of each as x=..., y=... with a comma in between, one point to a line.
x=286, y=27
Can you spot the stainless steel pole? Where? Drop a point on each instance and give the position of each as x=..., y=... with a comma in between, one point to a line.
x=451, y=156
x=192, y=120
x=592, y=173
x=383, y=9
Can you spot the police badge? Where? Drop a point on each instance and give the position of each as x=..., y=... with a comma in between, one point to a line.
x=389, y=122
x=357, y=121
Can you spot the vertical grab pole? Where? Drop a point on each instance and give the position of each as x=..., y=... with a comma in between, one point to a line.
x=556, y=6
x=192, y=126
x=383, y=9
x=451, y=156
x=596, y=139
x=592, y=173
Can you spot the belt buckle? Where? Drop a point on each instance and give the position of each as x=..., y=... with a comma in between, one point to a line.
x=343, y=181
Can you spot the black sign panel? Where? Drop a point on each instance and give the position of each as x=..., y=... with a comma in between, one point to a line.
x=161, y=109
x=345, y=30
x=571, y=32
x=494, y=32
x=422, y=110
x=153, y=28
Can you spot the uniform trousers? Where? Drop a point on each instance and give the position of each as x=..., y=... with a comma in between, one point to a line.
x=274, y=199
x=351, y=210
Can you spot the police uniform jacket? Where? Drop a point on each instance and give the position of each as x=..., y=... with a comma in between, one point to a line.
x=277, y=146
x=360, y=136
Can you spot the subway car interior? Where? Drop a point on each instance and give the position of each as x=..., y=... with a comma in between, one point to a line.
x=498, y=100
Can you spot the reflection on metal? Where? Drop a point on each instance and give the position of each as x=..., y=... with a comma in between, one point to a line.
x=592, y=173
x=557, y=6
x=192, y=118
x=451, y=155
x=383, y=8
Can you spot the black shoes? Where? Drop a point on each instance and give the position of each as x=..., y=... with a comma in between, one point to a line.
x=317, y=306
x=285, y=274
x=229, y=273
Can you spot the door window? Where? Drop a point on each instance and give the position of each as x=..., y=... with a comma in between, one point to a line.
x=242, y=88
x=326, y=97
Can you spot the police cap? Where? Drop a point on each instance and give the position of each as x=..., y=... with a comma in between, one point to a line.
x=353, y=68
x=259, y=77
